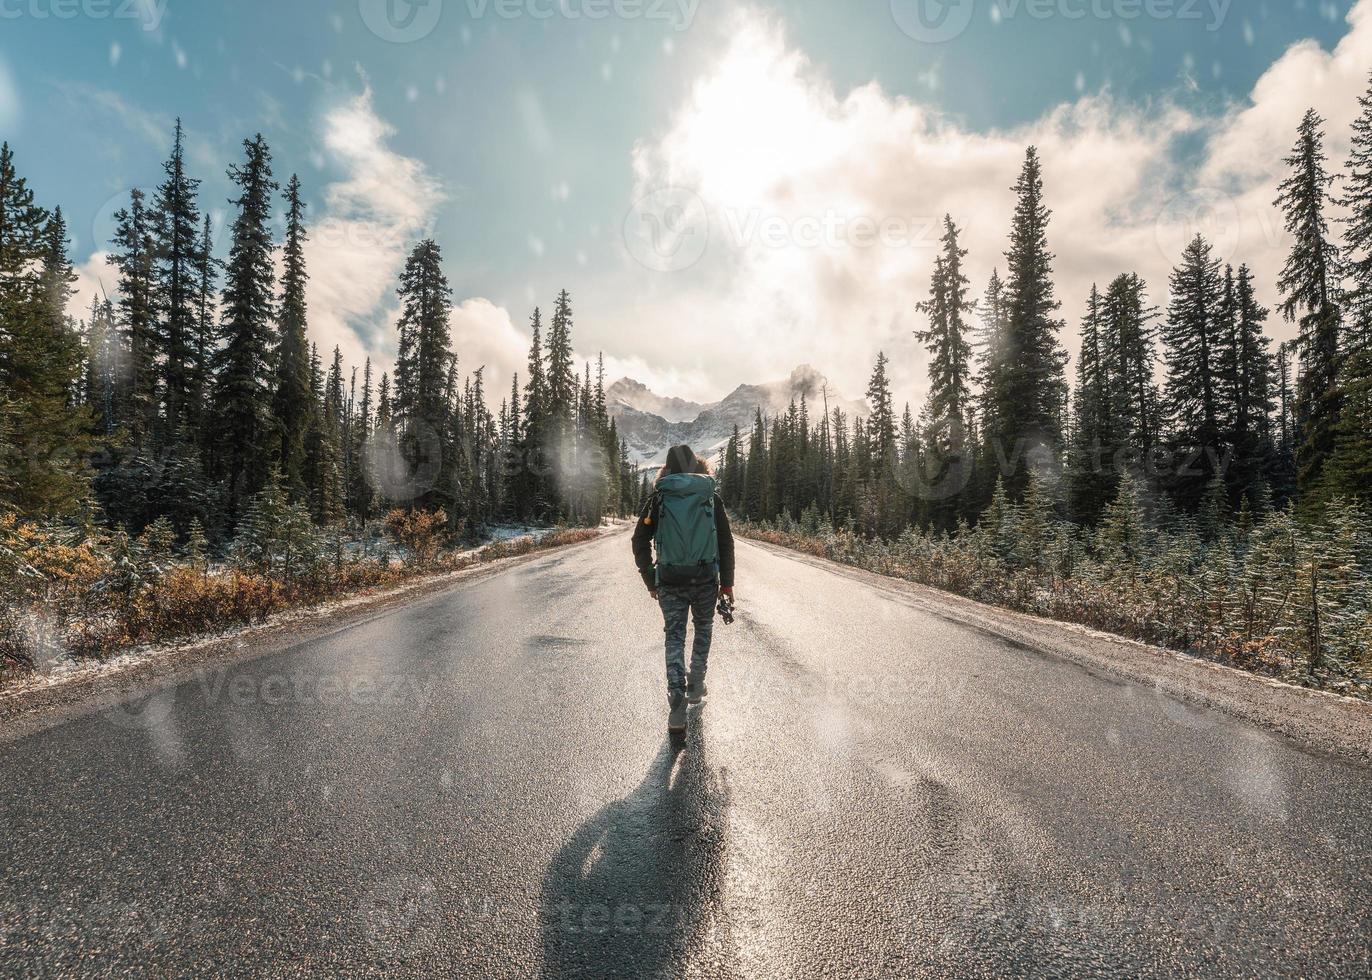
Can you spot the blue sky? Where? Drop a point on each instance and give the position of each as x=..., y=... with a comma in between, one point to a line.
x=522, y=142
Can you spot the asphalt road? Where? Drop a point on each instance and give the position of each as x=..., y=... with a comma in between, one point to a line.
x=480, y=784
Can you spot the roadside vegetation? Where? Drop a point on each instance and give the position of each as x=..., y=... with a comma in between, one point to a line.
x=1267, y=593
x=76, y=594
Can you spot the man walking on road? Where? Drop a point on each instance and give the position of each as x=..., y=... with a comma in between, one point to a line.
x=687, y=522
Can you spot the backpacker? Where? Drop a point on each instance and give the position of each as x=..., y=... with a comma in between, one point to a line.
x=687, y=544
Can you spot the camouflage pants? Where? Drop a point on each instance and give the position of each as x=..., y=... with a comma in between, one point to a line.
x=697, y=601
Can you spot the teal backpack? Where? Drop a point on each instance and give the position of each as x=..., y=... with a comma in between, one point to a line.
x=687, y=543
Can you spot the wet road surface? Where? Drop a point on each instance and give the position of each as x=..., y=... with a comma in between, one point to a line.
x=480, y=784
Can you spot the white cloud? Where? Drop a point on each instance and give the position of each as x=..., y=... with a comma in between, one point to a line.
x=770, y=146
x=95, y=278
x=371, y=216
x=483, y=335
x=383, y=204
x=1246, y=153
x=9, y=99
x=776, y=153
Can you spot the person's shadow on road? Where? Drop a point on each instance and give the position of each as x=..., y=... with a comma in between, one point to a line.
x=636, y=890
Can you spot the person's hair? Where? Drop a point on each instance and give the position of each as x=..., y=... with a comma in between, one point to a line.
x=681, y=459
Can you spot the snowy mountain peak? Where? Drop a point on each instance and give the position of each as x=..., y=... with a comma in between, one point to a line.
x=638, y=396
x=652, y=424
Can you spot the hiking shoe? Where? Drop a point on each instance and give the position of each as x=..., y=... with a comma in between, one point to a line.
x=676, y=719
x=695, y=689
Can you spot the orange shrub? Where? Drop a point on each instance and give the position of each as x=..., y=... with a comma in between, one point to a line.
x=420, y=532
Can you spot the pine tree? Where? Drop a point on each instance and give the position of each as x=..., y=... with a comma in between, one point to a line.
x=1252, y=395
x=1030, y=387
x=999, y=522
x=1122, y=539
x=561, y=378
x=1309, y=284
x=42, y=465
x=326, y=441
x=946, y=337
x=1035, y=525
x=1357, y=203
x=202, y=381
x=422, y=396
x=104, y=368
x=1091, y=469
x=947, y=412
x=275, y=537
x=362, y=486
x=243, y=363
x=755, y=476
x=531, y=488
x=134, y=257
x=176, y=217
x=883, y=419
x=292, y=407
x=990, y=342
x=1194, y=336
x=1351, y=465
x=1129, y=354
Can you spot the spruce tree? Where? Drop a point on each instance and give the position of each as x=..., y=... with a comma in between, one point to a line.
x=1357, y=205
x=1128, y=350
x=176, y=217
x=755, y=475
x=1123, y=537
x=134, y=257
x=989, y=344
x=244, y=361
x=1309, y=284
x=206, y=311
x=362, y=486
x=1194, y=339
x=104, y=368
x=422, y=396
x=1030, y=387
x=293, y=406
x=561, y=378
x=42, y=465
x=1092, y=479
x=326, y=434
x=531, y=485
x=948, y=407
x=946, y=338
x=1252, y=398
x=883, y=419
x=559, y=415
x=1351, y=465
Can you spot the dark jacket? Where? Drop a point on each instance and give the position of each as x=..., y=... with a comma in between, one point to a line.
x=647, y=529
